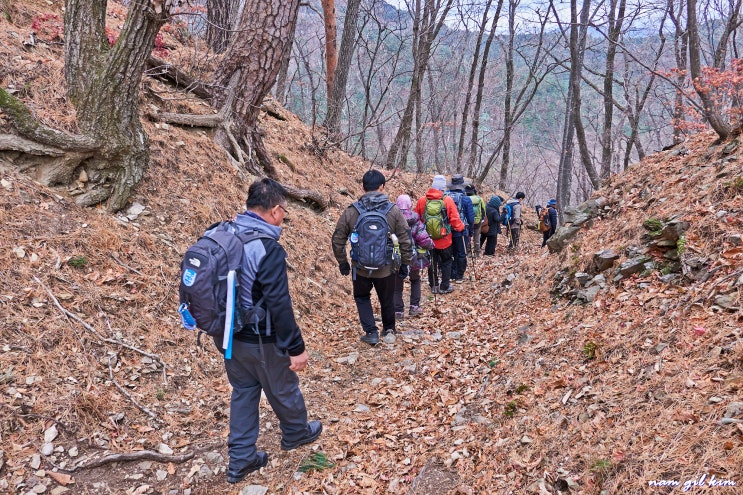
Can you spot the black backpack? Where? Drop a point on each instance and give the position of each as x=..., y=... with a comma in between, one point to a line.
x=371, y=247
x=204, y=271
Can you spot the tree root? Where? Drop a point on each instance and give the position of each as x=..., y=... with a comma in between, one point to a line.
x=100, y=337
x=142, y=455
x=127, y=394
x=313, y=198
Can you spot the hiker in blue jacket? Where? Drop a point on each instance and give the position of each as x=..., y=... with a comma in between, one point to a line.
x=552, y=206
x=268, y=360
x=461, y=240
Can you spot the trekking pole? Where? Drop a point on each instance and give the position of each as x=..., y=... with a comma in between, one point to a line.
x=473, y=260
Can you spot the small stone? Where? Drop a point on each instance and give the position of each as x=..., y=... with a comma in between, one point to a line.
x=72, y=452
x=454, y=335
x=734, y=409
x=254, y=490
x=39, y=488
x=164, y=449
x=714, y=400
x=35, y=462
x=58, y=490
x=50, y=434
x=47, y=449
x=525, y=440
x=362, y=408
x=161, y=475
x=214, y=458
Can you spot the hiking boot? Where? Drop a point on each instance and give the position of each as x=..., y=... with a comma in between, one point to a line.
x=398, y=316
x=447, y=290
x=388, y=336
x=415, y=311
x=435, y=290
x=371, y=338
x=237, y=475
x=314, y=427
x=459, y=280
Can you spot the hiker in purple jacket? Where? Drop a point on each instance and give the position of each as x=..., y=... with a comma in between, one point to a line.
x=422, y=243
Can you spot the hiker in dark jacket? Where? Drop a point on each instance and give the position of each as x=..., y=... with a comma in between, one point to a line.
x=382, y=279
x=492, y=211
x=552, y=206
x=266, y=361
x=461, y=240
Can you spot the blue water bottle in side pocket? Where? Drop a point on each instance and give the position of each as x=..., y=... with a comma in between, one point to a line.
x=187, y=319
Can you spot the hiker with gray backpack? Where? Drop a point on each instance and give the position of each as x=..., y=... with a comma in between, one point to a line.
x=381, y=250
x=234, y=288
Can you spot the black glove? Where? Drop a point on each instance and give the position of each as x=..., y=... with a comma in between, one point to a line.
x=404, y=271
x=344, y=268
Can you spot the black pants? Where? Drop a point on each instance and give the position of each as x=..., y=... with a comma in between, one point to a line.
x=385, y=288
x=515, y=234
x=491, y=242
x=440, y=269
x=461, y=245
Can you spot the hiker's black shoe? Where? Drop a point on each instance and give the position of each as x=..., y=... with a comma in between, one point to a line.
x=314, y=427
x=447, y=290
x=371, y=338
x=388, y=336
x=236, y=476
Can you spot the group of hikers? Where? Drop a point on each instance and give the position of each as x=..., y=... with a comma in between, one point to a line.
x=438, y=233
x=234, y=287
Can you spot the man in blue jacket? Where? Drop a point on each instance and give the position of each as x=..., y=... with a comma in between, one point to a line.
x=270, y=358
x=461, y=240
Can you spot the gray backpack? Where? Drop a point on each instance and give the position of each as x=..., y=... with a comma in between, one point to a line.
x=203, y=285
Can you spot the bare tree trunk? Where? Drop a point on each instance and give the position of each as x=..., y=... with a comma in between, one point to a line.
x=220, y=15
x=103, y=83
x=280, y=88
x=85, y=43
x=348, y=45
x=565, y=171
x=475, y=152
x=427, y=22
x=331, y=43
x=711, y=112
x=616, y=19
x=507, y=113
x=470, y=84
x=731, y=26
x=253, y=58
x=680, y=50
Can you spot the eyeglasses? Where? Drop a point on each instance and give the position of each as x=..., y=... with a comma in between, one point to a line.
x=285, y=210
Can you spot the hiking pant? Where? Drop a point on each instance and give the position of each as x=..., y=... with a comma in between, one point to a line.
x=476, y=246
x=440, y=269
x=515, y=234
x=546, y=236
x=491, y=241
x=415, y=291
x=461, y=246
x=255, y=367
x=385, y=288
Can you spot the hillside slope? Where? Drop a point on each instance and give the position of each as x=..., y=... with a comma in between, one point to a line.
x=514, y=383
